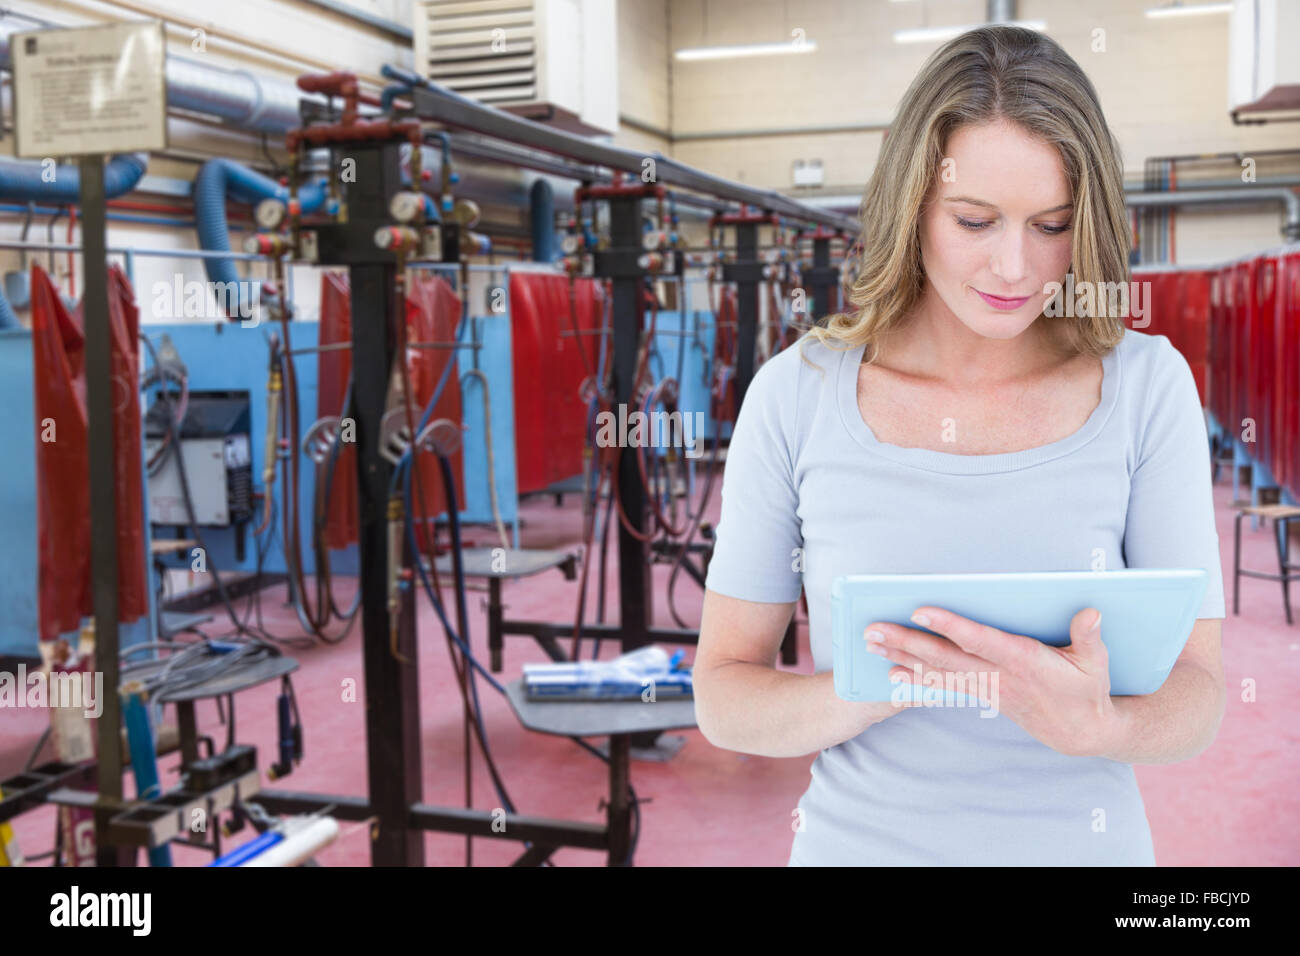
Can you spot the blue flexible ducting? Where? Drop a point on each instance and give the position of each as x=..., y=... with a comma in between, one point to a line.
x=27, y=180
x=8, y=319
x=219, y=179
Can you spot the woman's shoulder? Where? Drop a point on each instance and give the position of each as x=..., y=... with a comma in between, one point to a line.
x=1158, y=391
x=1150, y=361
x=789, y=387
x=799, y=375
x=807, y=355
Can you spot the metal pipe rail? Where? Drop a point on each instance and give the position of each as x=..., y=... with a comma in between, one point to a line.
x=434, y=103
x=510, y=154
x=1289, y=200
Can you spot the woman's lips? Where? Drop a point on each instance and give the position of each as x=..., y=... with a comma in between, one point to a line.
x=1004, y=305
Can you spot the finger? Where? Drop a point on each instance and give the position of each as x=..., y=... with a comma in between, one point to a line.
x=934, y=650
x=1086, y=651
x=895, y=655
x=899, y=697
x=981, y=641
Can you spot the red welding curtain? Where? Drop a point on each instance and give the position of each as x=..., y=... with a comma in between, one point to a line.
x=333, y=366
x=549, y=368
x=1178, y=307
x=432, y=313
x=62, y=460
x=1288, y=381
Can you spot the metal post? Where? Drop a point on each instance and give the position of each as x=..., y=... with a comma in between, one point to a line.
x=821, y=280
x=103, y=501
x=628, y=312
x=619, y=810
x=392, y=685
x=747, y=271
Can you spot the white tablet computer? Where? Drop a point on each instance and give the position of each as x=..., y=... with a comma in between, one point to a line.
x=1146, y=617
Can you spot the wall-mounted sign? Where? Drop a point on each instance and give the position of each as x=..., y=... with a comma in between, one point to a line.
x=90, y=90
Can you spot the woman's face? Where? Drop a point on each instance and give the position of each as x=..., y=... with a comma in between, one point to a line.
x=997, y=229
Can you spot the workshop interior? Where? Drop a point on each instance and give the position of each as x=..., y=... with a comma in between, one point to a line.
x=318, y=550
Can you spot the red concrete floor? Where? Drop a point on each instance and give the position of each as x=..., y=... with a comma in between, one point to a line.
x=1236, y=804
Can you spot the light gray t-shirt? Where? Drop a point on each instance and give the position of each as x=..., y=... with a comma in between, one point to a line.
x=943, y=785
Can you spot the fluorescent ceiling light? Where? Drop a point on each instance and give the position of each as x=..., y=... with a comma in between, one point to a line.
x=931, y=34
x=1179, y=10
x=749, y=49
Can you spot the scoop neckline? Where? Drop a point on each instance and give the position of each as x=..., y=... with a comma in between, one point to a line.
x=944, y=462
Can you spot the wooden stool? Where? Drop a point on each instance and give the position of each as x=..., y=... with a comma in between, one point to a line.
x=1287, y=572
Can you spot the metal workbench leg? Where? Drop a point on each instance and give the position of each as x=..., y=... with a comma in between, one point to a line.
x=495, y=642
x=1236, y=562
x=189, y=733
x=618, y=811
x=1280, y=534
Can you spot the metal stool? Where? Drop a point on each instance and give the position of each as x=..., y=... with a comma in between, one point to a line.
x=1287, y=572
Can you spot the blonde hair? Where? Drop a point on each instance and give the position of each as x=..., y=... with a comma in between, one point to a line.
x=987, y=74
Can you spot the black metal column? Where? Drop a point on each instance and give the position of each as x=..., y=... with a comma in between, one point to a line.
x=100, y=414
x=628, y=315
x=822, y=280
x=619, y=811
x=747, y=270
x=392, y=686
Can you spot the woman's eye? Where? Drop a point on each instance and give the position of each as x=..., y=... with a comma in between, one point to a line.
x=977, y=224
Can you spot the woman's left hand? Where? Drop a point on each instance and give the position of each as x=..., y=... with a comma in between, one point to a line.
x=1059, y=695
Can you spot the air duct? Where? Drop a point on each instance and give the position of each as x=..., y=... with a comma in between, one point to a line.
x=222, y=178
x=29, y=181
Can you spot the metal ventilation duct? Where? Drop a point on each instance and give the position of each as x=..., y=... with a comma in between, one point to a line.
x=487, y=49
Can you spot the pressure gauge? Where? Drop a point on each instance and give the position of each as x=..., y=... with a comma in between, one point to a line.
x=570, y=244
x=270, y=213
x=466, y=212
x=405, y=206
x=652, y=240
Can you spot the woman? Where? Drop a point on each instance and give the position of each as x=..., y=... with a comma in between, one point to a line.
x=950, y=425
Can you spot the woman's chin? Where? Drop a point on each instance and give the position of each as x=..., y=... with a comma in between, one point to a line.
x=1004, y=326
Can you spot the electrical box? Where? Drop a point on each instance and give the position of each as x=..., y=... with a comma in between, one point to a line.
x=216, y=448
x=809, y=172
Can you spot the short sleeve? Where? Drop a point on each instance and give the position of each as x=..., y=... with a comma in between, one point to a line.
x=756, y=551
x=1171, y=503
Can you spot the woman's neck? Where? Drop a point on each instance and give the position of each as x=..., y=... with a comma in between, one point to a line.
x=934, y=343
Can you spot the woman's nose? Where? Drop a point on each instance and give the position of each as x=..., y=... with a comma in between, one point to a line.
x=1008, y=262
